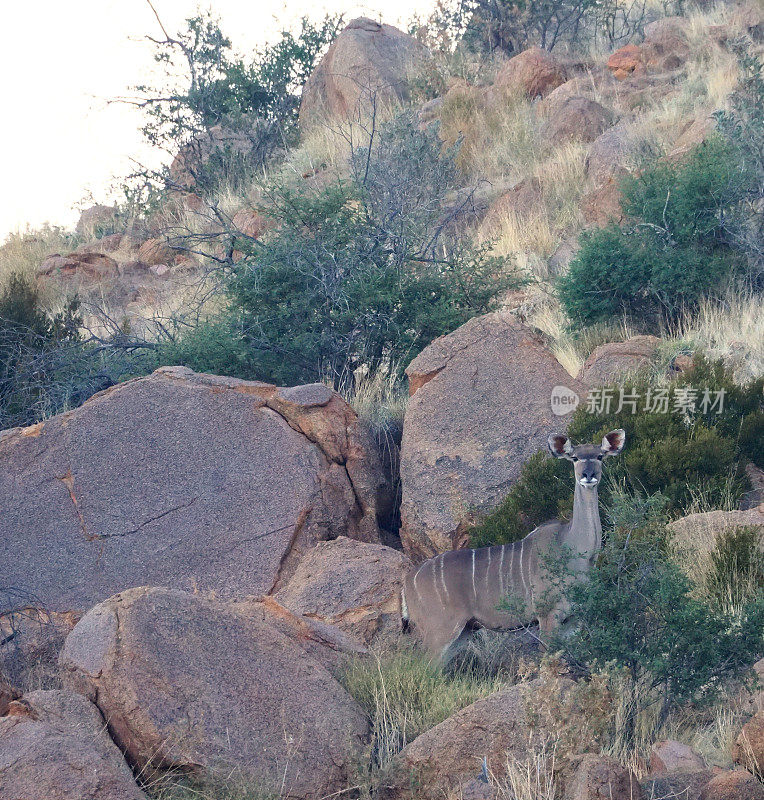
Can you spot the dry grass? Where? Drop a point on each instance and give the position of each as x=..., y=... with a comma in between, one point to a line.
x=228, y=787
x=405, y=693
x=532, y=778
x=498, y=132
x=23, y=252
x=730, y=328
x=572, y=348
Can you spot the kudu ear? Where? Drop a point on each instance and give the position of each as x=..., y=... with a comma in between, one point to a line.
x=559, y=446
x=613, y=442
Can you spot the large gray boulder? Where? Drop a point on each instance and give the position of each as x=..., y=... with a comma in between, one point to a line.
x=193, y=684
x=481, y=406
x=368, y=62
x=182, y=480
x=54, y=746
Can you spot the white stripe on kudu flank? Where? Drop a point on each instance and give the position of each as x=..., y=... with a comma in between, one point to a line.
x=416, y=588
x=512, y=567
x=474, y=589
x=443, y=579
x=522, y=574
x=488, y=570
x=501, y=572
x=435, y=581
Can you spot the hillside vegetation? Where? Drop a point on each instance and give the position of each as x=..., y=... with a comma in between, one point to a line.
x=590, y=171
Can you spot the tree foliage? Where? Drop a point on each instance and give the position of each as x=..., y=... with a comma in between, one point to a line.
x=254, y=101
x=363, y=272
x=672, y=252
x=742, y=124
x=636, y=612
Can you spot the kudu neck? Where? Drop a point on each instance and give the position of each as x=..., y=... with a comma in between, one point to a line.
x=585, y=532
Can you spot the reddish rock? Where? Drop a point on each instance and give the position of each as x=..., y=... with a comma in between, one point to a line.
x=577, y=119
x=30, y=641
x=609, y=153
x=666, y=45
x=505, y=725
x=192, y=684
x=701, y=530
x=480, y=407
x=754, y=497
x=353, y=585
x=188, y=164
x=680, y=785
x=521, y=200
x=106, y=244
x=610, y=361
x=87, y=266
x=626, y=61
x=155, y=251
x=367, y=60
x=534, y=72
x=748, y=750
x=251, y=223
x=95, y=219
x=673, y=756
x=54, y=746
x=181, y=479
x=733, y=785
x=692, y=135
x=600, y=777
x=7, y=695
x=575, y=87
x=602, y=205
x=566, y=251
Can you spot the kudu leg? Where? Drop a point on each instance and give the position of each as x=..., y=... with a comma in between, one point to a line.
x=440, y=635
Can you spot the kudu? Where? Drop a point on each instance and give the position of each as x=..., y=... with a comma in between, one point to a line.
x=508, y=586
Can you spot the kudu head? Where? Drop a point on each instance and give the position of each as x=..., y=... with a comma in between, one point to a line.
x=587, y=458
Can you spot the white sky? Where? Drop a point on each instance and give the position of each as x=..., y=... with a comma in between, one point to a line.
x=61, y=60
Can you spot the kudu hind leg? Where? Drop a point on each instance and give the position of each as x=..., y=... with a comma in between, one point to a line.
x=441, y=634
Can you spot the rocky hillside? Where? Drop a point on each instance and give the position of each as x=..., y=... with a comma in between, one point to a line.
x=238, y=413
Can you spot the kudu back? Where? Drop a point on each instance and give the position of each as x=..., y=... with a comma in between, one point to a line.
x=505, y=587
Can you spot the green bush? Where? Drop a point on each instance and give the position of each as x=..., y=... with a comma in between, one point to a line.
x=204, y=85
x=680, y=457
x=213, y=346
x=635, y=612
x=543, y=492
x=361, y=273
x=47, y=365
x=29, y=338
x=672, y=252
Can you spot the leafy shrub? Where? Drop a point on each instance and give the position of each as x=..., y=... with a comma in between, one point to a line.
x=46, y=363
x=362, y=273
x=544, y=491
x=213, y=346
x=635, y=612
x=680, y=456
x=206, y=85
x=672, y=253
x=27, y=338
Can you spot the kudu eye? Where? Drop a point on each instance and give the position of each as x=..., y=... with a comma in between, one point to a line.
x=574, y=458
x=599, y=458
